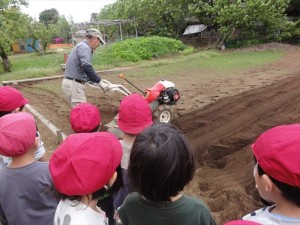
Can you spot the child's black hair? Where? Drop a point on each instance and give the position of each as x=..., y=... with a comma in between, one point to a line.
x=161, y=162
x=99, y=194
x=3, y=113
x=289, y=193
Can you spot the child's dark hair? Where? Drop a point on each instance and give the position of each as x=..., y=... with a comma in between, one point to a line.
x=289, y=193
x=3, y=113
x=96, y=129
x=161, y=162
x=99, y=194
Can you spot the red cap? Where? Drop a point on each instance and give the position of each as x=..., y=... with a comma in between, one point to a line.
x=11, y=99
x=85, y=117
x=17, y=133
x=241, y=222
x=85, y=162
x=134, y=114
x=278, y=153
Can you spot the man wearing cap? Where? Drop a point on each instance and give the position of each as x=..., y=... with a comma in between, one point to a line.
x=79, y=68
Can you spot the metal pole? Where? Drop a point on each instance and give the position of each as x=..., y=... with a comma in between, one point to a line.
x=135, y=26
x=121, y=31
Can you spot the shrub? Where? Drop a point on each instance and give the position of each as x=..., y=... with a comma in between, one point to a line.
x=144, y=48
x=58, y=40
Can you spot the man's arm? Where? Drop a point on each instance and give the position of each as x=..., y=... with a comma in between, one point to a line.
x=84, y=56
x=90, y=72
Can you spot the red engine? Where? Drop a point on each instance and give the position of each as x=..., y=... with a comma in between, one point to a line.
x=164, y=92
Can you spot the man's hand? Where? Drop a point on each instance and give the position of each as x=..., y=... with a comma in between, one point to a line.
x=105, y=87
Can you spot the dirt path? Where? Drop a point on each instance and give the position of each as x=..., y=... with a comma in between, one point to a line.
x=220, y=115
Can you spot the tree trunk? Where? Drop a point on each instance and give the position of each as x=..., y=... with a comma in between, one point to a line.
x=5, y=61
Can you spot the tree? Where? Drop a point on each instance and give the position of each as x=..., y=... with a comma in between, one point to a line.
x=49, y=16
x=62, y=29
x=246, y=19
x=38, y=32
x=153, y=17
x=10, y=24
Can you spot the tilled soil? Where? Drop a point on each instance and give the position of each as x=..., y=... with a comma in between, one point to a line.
x=221, y=135
x=221, y=117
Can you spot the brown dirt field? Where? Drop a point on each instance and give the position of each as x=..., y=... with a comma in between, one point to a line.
x=221, y=117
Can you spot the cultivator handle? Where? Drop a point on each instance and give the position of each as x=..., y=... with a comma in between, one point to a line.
x=122, y=76
x=112, y=87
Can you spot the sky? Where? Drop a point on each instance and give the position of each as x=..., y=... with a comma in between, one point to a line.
x=80, y=10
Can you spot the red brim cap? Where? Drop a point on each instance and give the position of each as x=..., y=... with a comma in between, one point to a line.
x=85, y=162
x=11, y=99
x=84, y=117
x=17, y=133
x=134, y=114
x=278, y=153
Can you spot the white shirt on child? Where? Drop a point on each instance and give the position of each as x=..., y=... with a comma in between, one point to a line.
x=126, y=147
x=77, y=213
x=266, y=217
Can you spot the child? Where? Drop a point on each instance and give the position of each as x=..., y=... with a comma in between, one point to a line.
x=277, y=175
x=133, y=117
x=12, y=101
x=161, y=165
x=85, y=118
x=83, y=167
x=26, y=190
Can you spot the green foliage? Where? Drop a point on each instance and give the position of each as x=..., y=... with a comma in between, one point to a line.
x=10, y=24
x=240, y=20
x=152, y=17
x=49, y=16
x=189, y=50
x=40, y=32
x=238, y=43
x=62, y=29
x=249, y=19
x=291, y=32
x=134, y=50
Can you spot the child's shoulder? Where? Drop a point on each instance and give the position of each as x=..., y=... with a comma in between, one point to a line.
x=193, y=203
x=193, y=200
x=265, y=216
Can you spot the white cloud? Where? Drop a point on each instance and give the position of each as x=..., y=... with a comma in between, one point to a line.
x=80, y=10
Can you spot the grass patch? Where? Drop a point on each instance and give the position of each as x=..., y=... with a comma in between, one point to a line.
x=31, y=65
x=206, y=61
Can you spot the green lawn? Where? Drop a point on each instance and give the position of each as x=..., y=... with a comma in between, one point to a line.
x=32, y=65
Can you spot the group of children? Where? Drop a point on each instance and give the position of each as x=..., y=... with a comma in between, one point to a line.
x=94, y=178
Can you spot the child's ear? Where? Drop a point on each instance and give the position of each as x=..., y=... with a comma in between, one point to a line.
x=267, y=182
x=16, y=110
x=112, y=179
x=36, y=143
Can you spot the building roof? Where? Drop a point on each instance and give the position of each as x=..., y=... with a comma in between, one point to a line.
x=193, y=29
